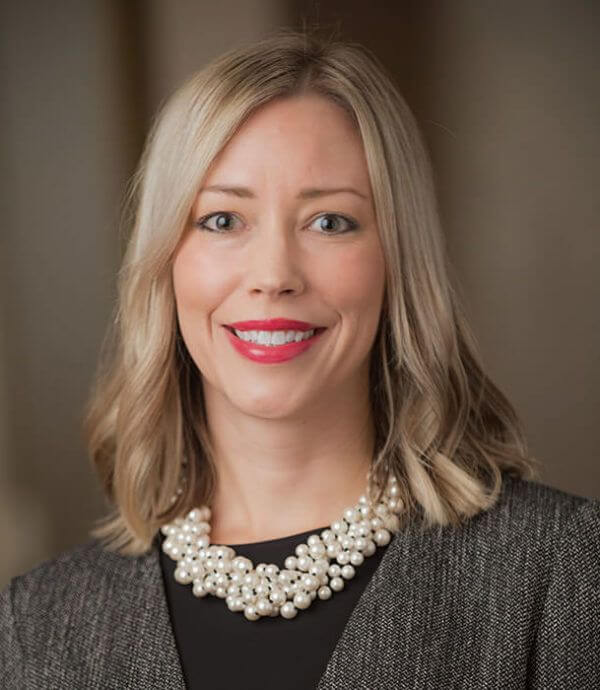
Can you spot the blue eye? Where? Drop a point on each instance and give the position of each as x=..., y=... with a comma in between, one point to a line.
x=223, y=222
x=332, y=223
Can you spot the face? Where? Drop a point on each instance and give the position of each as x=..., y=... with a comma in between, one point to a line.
x=283, y=227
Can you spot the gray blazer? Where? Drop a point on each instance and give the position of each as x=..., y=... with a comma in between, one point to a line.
x=509, y=600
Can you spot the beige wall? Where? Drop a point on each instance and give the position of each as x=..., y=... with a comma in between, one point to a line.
x=63, y=148
x=516, y=85
x=508, y=99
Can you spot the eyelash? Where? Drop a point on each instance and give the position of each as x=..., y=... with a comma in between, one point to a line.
x=201, y=222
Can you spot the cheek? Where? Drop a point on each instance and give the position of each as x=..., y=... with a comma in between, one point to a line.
x=198, y=283
x=355, y=282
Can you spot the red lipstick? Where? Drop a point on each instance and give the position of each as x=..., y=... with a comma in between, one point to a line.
x=272, y=325
x=272, y=354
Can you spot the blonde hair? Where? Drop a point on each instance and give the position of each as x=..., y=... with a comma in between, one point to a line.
x=441, y=426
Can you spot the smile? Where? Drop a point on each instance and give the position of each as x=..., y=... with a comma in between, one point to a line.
x=270, y=347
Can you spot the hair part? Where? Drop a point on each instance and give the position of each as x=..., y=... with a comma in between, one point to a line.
x=442, y=427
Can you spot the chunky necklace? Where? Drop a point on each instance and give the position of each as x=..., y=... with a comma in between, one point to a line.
x=266, y=590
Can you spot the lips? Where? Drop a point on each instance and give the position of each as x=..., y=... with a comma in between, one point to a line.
x=272, y=354
x=278, y=324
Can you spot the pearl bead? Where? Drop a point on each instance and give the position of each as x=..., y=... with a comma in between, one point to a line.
x=339, y=527
x=261, y=590
x=291, y=563
x=356, y=558
x=334, y=570
x=183, y=576
x=360, y=544
x=251, y=613
x=317, y=550
x=264, y=606
x=324, y=593
x=242, y=565
x=318, y=569
x=376, y=523
x=221, y=580
x=301, y=600
x=198, y=589
x=363, y=530
x=348, y=572
x=194, y=515
x=333, y=549
x=196, y=570
x=343, y=557
x=310, y=582
x=382, y=537
x=288, y=610
x=301, y=550
x=347, y=543
x=277, y=597
x=370, y=548
x=336, y=584
x=304, y=563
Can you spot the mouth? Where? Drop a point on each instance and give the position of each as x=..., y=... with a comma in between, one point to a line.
x=272, y=346
x=313, y=331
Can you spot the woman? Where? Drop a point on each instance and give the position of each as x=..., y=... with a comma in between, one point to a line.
x=313, y=483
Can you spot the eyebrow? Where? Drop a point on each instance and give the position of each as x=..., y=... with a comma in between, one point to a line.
x=309, y=193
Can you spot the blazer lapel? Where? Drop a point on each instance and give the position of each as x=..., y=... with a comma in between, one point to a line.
x=153, y=660
x=380, y=645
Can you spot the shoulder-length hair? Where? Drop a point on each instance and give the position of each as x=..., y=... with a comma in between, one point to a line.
x=442, y=428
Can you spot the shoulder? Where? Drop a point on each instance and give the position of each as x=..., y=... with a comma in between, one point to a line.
x=533, y=534
x=533, y=520
x=549, y=555
x=74, y=593
x=83, y=557
x=535, y=511
x=521, y=539
x=87, y=568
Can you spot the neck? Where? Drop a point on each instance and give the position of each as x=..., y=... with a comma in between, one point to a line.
x=277, y=477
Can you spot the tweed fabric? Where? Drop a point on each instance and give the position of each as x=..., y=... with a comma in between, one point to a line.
x=509, y=600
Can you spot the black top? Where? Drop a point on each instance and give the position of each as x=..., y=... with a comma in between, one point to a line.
x=221, y=649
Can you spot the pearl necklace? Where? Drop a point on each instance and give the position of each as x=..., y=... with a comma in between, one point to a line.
x=266, y=590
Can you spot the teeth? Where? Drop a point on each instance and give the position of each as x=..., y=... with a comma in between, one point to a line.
x=274, y=337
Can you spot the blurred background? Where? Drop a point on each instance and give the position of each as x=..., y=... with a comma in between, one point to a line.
x=508, y=98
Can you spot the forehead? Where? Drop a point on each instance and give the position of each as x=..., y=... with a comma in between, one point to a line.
x=305, y=136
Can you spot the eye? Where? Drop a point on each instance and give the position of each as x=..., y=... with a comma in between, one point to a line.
x=334, y=224
x=222, y=221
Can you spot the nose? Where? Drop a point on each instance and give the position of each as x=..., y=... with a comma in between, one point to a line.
x=275, y=265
